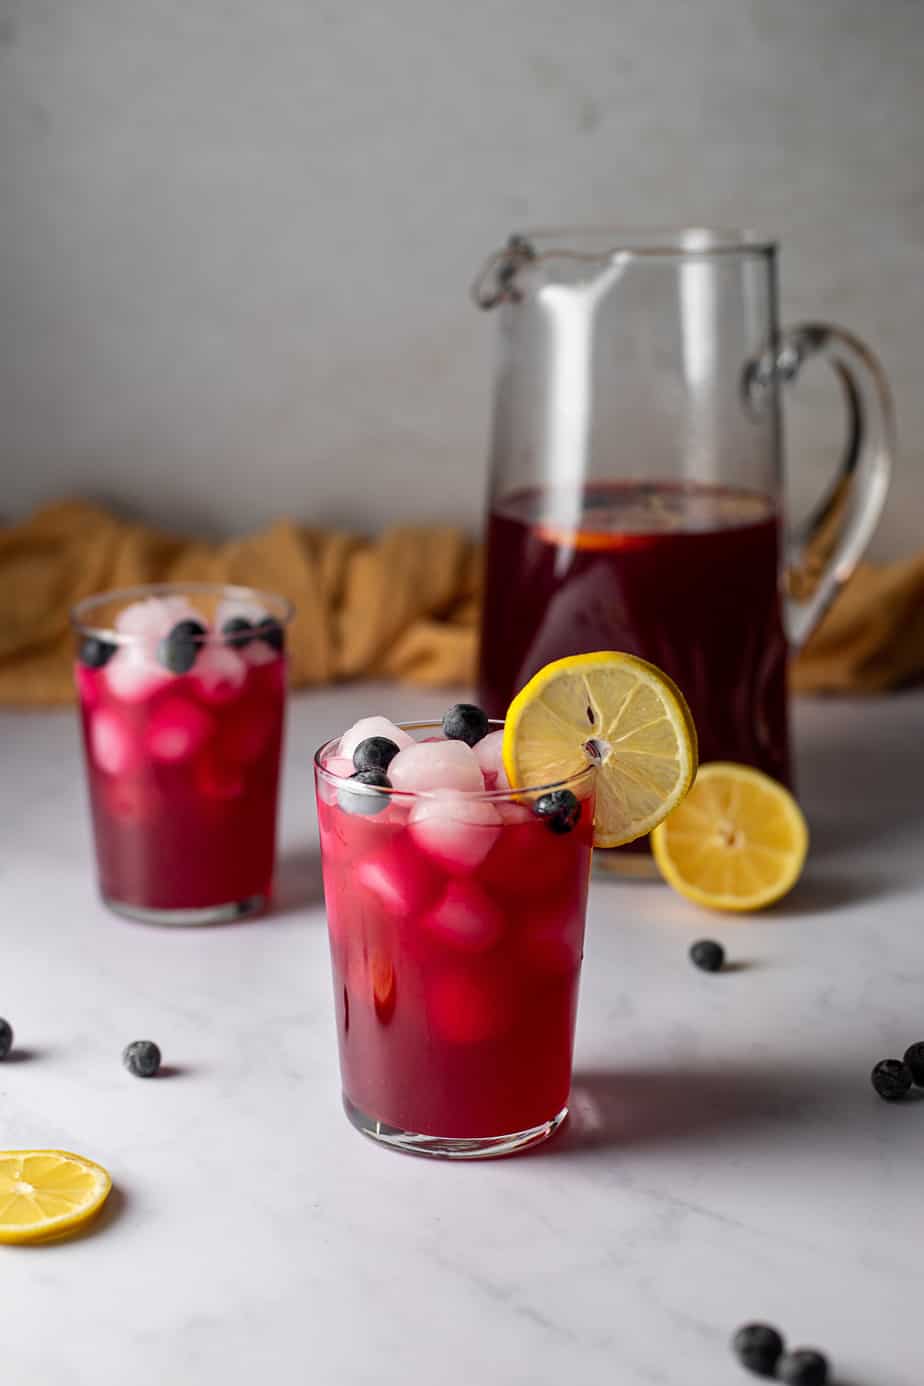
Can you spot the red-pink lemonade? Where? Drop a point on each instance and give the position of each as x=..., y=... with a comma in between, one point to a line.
x=456, y=918
x=182, y=694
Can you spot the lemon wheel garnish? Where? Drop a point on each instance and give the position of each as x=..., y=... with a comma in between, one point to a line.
x=633, y=717
x=46, y=1193
x=737, y=842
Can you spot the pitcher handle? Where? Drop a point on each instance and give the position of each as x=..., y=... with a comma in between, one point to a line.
x=822, y=552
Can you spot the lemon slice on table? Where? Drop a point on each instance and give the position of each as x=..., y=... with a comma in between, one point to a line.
x=737, y=842
x=45, y=1193
x=630, y=714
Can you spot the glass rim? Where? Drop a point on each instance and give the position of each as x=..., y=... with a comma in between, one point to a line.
x=586, y=774
x=642, y=242
x=283, y=612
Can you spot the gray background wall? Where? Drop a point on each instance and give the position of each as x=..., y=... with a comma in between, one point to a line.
x=237, y=237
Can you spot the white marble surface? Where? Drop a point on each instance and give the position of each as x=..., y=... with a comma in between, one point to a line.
x=727, y=1158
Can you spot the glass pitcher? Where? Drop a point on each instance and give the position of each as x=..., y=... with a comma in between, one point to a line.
x=636, y=491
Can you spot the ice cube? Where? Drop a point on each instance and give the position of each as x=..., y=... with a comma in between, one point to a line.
x=435, y=765
x=151, y=619
x=112, y=745
x=514, y=814
x=528, y=861
x=552, y=939
x=217, y=777
x=244, y=731
x=339, y=765
x=134, y=674
x=466, y=917
x=401, y=879
x=372, y=726
x=239, y=609
x=258, y=652
x=488, y=755
x=219, y=673
x=466, y=1007
x=177, y=730
x=454, y=829
x=133, y=800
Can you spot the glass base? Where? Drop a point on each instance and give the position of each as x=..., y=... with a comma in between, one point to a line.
x=452, y=1147
x=210, y=914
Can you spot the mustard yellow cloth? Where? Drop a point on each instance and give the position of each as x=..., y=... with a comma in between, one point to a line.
x=403, y=605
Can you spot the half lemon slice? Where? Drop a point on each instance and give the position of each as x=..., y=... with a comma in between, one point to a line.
x=622, y=710
x=737, y=842
x=46, y=1193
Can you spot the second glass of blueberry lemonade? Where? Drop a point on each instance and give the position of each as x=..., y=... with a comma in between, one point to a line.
x=456, y=913
x=182, y=696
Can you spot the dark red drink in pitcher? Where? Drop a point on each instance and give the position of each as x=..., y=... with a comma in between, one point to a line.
x=683, y=575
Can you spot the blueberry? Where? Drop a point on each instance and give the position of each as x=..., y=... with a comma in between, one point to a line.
x=561, y=810
x=914, y=1058
x=758, y=1347
x=6, y=1038
x=892, y=1079
x=141, y=1057
x=238, y=632
x=804, y=1367
x=177, y=651
x=465, y=722
x=707, y=954
x=270, y=631
x=375, y=753
x=94, y=653
x=365, y=804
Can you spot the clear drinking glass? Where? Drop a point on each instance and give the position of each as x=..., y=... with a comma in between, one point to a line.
x=636, y=494
x=182, y=696
x=456, y=932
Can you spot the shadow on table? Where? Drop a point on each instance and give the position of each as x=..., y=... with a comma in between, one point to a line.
x=629, y=1108
x=298, y=884
x=24, y=1054
x=821, y=894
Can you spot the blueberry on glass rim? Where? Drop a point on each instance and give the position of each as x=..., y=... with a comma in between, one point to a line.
x=758, y=1347
x=375, y=753
x=364, y=804
x=560, y=810
x=142, y=1058
x=465, y=722
x=238, y=632
x=94, y=652
x=6, y=1038
x=271, y=633
x=178, y=649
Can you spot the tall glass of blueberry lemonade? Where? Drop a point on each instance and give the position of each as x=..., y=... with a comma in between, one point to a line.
x=456, y=917
x=456, y=858
x=182, y=696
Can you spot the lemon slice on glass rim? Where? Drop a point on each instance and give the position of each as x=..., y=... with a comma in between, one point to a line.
x=625, y=713
x=45, y=1194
